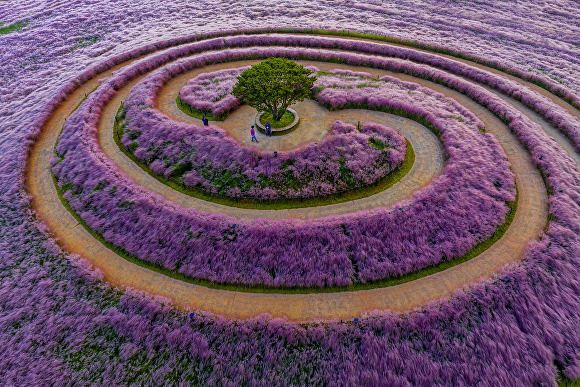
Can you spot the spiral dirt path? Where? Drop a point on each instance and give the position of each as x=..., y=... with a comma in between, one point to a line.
x=529, y=221
x=429, y=158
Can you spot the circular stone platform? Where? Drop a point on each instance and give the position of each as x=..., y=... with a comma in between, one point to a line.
x=279, y=131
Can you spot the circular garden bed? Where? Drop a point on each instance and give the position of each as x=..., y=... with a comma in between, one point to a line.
x=289, y=122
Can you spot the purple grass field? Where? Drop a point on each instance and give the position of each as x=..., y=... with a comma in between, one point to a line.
x=202, y=156
x=210, y=92
x=442, y=221
x=62, y=324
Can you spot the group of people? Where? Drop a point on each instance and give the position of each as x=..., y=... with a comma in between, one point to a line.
x=252, y=130
x=268, y=128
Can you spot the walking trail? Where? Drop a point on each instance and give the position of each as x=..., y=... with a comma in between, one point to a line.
x=529, y=221
x=316, y=123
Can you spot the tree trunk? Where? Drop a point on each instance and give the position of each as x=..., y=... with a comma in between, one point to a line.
x=279, y=115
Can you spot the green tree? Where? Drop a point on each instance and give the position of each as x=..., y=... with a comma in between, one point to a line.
x=273, y=85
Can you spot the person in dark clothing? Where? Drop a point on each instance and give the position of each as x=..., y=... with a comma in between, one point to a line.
x=205, y=120
x=268, y=129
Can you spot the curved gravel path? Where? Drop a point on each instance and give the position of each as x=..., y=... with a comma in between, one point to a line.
x=528, y=223
x=429, y=159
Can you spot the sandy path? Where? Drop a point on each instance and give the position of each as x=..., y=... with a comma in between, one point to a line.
x=528, y=223
x=316, y=124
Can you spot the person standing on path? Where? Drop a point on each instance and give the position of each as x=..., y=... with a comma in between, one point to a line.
x=253, y=133
x=205, y=121
x=268, y=129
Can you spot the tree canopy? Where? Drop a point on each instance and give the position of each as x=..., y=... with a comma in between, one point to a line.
x=273, y=85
